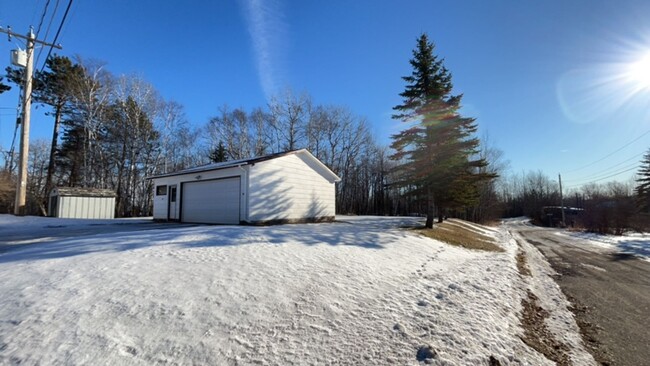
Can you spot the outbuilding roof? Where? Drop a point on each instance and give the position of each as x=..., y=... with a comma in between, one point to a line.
x=250, y=161
x=82, y=192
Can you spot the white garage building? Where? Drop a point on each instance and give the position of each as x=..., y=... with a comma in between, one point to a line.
x=287, y=187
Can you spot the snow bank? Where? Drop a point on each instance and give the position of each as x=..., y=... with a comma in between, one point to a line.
x=358, y=291
x=561, y=322
x=635, y=244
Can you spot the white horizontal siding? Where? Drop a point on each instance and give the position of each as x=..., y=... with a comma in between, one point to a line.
x=287, y=188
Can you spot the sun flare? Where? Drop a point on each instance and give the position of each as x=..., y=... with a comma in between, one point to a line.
x=605, y=89
x=639, y=72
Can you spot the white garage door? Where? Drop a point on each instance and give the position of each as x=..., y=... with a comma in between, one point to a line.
x=211, y=201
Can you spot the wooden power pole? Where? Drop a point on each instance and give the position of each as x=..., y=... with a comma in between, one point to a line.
x=21, y=187
x=561, y=200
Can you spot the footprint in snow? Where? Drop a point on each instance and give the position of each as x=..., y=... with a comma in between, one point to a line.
x=426, y=353
x=128, y=351
x=400, y=329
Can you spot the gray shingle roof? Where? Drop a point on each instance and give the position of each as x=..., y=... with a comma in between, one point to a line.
x=225, y=164
x=83, y=192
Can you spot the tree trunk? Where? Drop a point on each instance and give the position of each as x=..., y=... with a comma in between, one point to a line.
x=51, y=165
x=119, y=208
x=430, y=210
x=441, y=215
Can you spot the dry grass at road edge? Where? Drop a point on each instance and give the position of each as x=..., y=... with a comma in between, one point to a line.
x=460, y=235
x=537, y=334
x=522, y=262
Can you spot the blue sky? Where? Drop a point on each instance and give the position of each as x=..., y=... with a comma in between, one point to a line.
x=549, y=82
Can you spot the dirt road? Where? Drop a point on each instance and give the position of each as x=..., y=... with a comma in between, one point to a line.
x=610, y=292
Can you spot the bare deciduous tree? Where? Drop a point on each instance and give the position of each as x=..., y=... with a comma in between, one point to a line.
x=289, y=115
x=91, y=95
x=39, y=151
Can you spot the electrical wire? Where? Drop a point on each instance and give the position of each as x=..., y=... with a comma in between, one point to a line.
x=13, y=140
x=56, y=37
x=47, y=32
x=73, y=12
x=600, y=175
x=35, y=12
x=610, y=154
x=607, y=177
x=58, y=32
x=40, y=24
x=606, y=170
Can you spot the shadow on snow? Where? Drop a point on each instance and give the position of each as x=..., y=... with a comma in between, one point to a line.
x=369, y=233
x=631, y=249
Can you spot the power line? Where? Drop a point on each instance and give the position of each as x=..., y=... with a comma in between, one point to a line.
x=58, y=32
x=599, y=175
x=13, y=139
x=619, y=173
x=21, y=192
x=47, y=31
x=35, y=12
x=606, y=170
x=610, y=154
x=40, y=24
x=607, y=177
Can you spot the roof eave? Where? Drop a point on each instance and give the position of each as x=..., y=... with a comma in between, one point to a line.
x=195, y=170
x=329, y=171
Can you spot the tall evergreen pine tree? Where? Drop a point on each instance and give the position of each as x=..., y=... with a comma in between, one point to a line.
x=436, y=151
x=3, y=87
x=643, y=187
x=53, y=88
x=218, y=155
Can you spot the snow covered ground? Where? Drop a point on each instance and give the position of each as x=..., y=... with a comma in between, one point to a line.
x=19, y=231
x=358, y=291
x=637, y=244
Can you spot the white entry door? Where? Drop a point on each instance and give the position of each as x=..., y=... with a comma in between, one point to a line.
x=172, y=197
x=212, y=201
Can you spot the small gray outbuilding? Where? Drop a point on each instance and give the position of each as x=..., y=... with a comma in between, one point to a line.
x=82, y=203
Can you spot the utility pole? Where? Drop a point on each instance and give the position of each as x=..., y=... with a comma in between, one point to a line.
x=21, y=187
x=561, y=200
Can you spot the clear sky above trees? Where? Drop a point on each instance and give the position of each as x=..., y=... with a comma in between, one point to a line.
x=553, y=83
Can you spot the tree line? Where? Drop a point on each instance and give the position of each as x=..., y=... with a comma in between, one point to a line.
x=108, y=132
x=607, y=208
x=112, y=131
